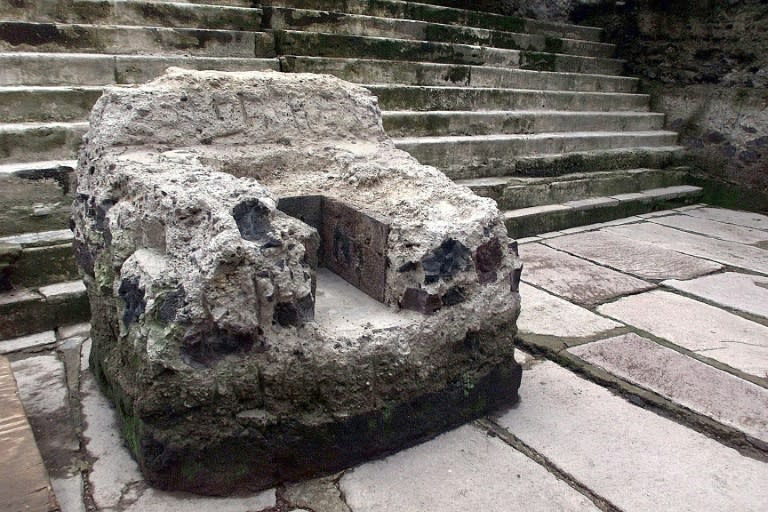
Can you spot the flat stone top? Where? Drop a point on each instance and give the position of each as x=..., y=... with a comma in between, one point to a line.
x=714, y=229
x=747, y=293
x=738, y=218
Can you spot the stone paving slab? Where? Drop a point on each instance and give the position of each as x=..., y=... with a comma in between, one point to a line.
x=32, y=341
x=698, y=327
x=739, y=218
x=635, y=459
x=728, y=253
x=115, y=478
x=713, y=228
x=747, y=293
x=24, y=484
x=546, y=315
x=573, y=278
x=684, y=380
x=643, y=260
x=43, y=389
x=462, y=470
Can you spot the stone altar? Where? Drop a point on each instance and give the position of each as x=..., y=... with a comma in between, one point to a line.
x=277, y=291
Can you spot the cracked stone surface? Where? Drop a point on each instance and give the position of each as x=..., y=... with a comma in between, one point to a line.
x=721, y=251
x=698, y=327
x=575, y=279
x=715, y=229
x=452, y=473
x=633, y=458
x=747, y=293
x=693, y=384
x=546, y=315
x=643, y=260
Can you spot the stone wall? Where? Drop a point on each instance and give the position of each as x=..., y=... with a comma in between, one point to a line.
x=705, y=62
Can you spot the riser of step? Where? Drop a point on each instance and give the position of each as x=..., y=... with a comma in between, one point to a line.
x=31, y=142
x=424, y=73
x=22, y=68
x=28, y=311
x=418, y=124
x=394, y=97
x=35, y=197
x=351, y=24
x=133, y=12
x=550, y=165
x=57, y=37
x=42, y=259
x=289, y=42
x=515, y=193
x=66, y=104
x=555, y=217
x=59, y=104
x=446, y=15
x=489, y=155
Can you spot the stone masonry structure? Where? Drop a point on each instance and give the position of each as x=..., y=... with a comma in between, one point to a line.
x=214, y=211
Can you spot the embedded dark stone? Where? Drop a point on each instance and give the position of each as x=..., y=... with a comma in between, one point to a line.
x=488, y=259
x=421, y=301
x=252, y=220
x=133, y=296
x=446, y=261
x=408, y=267
x=454, y=296
x=171, y=303
x=515, y=278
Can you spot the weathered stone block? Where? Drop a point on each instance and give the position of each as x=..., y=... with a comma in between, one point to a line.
x=206, y=204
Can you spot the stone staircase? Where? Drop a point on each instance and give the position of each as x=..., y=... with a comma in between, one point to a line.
x=530, y=113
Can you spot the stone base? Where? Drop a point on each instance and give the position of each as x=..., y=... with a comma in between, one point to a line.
x=275, y=452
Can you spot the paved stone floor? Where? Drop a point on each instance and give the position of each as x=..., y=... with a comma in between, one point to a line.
x=645, y=345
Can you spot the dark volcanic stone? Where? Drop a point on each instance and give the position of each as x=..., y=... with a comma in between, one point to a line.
x=446, y=261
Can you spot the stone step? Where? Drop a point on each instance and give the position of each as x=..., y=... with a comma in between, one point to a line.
x=20, y=104
x=33, y=68
x=35, y=196
x=315, y=44
x=29, y=142
x=133, y=12
x=39, y=104
x=512, y=193
x=429, y=98
x=27, y=310
x=373, y=26
x=118, y=39
x=434, y=123
x=494, y=155
x=525, y=222
x=453, y=15
x=372, y=71
x=42, y=259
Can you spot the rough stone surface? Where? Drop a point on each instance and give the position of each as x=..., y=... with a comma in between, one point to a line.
x=320, y=494
x=633, y=458
x=693, y=384
x=450, y=473
x=32, y=341
x=743, y=292
x=698, y=327
x=728, y=253
x=205, y=204
x=546, y=315
x=643, y=260
x=575, y=279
